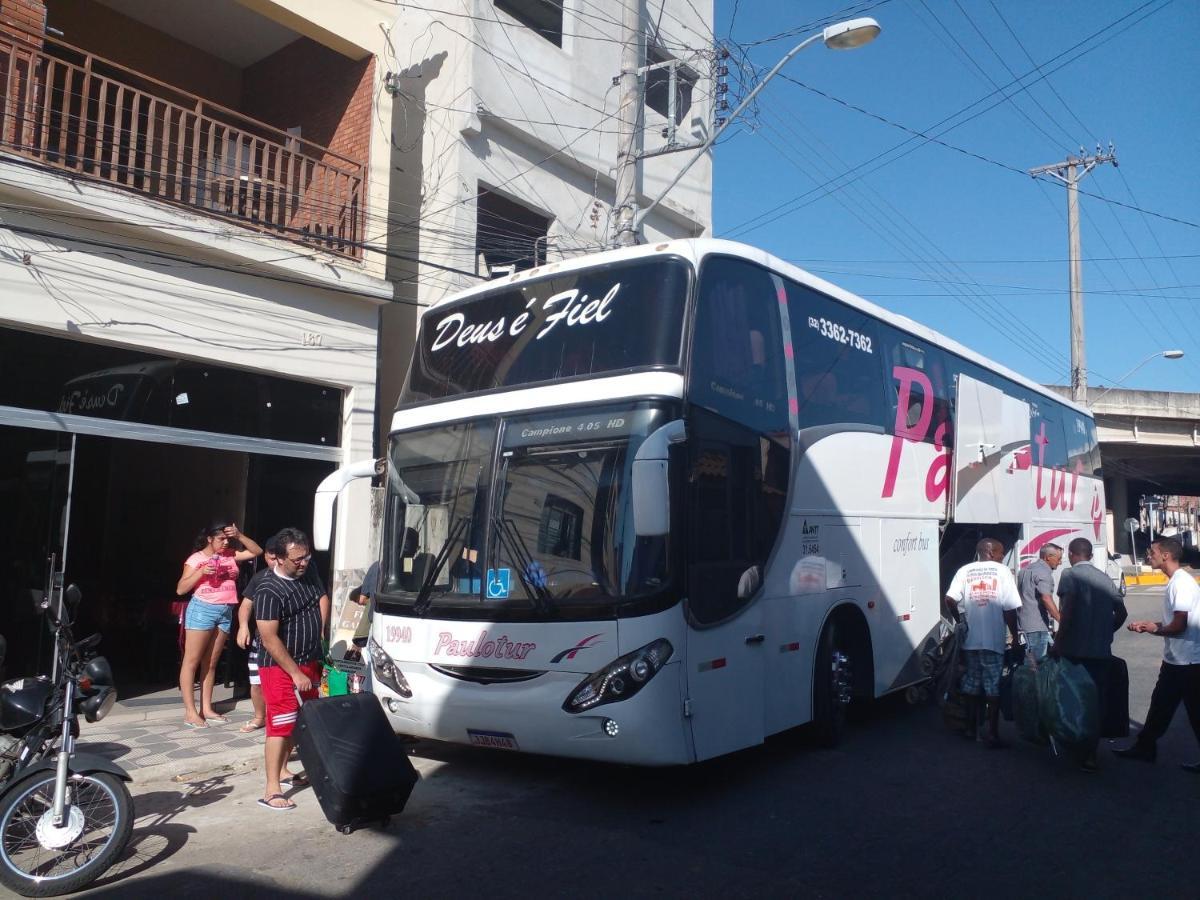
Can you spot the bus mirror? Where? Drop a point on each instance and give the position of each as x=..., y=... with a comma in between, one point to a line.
x=650, y=487
x=651, y=498
x=326, y=499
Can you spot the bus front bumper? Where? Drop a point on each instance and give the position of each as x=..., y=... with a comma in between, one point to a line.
x=527, y=716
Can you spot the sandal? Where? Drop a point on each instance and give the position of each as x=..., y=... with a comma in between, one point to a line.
x=295, y=781
x=251, y=726
x=268, y=803
x=200, y=724
x=218, y=720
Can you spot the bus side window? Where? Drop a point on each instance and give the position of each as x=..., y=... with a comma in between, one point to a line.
x=737, y=365
x=905, y=353
x=836, y=351
x=1083, y=449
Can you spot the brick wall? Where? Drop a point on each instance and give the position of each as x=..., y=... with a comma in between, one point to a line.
x=23, y=18
x=326, y=94
x=105, y=32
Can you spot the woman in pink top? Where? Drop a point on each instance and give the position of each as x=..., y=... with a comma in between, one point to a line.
x=210, y=576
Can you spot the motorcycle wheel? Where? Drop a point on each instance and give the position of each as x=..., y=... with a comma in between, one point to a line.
x=39, y=860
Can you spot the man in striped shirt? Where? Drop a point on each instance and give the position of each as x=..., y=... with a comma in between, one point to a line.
x=292, y=611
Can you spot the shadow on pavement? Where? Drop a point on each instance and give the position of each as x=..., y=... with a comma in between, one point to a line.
x=211, y=882
x=156, y=836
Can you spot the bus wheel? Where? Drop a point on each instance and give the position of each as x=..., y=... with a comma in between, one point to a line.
x=832, y=682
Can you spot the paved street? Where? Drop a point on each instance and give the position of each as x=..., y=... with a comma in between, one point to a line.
x=902, y=809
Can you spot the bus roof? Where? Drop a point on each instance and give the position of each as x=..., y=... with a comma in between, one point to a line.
x=698, y=248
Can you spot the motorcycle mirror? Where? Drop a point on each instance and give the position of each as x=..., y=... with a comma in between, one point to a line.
x=73, y=595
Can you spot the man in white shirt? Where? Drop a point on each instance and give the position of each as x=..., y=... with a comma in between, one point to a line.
x=1179, y=675
x=985, y=593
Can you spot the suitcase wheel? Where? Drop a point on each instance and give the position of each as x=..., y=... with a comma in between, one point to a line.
x=346, y=829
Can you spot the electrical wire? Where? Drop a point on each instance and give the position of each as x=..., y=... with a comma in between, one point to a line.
x=925, y=134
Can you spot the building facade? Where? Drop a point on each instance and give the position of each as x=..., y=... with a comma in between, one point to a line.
x=219, y=223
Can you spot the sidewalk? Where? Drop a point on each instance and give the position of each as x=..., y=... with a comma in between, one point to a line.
x=146, y=736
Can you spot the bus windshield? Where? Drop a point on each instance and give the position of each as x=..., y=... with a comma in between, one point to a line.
x=541, y=529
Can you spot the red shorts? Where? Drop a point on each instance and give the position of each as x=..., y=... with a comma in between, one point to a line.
x=280, y=696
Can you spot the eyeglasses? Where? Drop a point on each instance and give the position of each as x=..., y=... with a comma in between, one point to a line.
x=298, y=559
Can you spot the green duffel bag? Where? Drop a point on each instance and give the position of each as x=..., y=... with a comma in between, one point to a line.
x=1025, y=704
x=1068, y=703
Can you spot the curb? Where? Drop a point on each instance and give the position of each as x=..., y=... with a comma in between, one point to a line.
x=1153, y=578
x=1143, y=580
x=182, y=771
x=126, y=715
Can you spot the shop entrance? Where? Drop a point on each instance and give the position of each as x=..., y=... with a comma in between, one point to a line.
x=35, y=490
x=126, y=521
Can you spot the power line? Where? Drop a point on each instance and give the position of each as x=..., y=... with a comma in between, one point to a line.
x=768, y=215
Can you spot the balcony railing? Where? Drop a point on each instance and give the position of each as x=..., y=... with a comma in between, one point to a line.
x=71, y=110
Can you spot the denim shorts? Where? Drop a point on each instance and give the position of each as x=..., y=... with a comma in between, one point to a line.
x=203, y=616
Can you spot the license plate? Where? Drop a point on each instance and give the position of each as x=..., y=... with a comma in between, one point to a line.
x=497, y=740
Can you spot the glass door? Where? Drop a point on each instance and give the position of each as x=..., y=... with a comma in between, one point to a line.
x=36, y=471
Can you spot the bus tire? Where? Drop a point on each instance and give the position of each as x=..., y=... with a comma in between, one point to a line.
x=832, y=685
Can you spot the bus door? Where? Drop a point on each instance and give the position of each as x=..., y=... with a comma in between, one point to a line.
x=725, y=670
x=993, y=471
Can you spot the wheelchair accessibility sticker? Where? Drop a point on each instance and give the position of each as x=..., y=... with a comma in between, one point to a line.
x=499, y=582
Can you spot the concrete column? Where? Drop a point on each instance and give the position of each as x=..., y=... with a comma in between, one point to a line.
x=1116, y=489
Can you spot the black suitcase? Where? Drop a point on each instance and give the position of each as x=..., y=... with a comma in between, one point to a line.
x=359, y=769
x=1114, y=719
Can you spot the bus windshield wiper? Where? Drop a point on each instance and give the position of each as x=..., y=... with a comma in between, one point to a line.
x=425, y=594
x=511, y=539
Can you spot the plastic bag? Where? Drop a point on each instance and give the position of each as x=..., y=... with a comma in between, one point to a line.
x=946, y=680
x=1068, y=703
x=334, y=682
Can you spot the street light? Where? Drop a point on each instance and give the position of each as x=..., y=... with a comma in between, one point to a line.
x=1166, y=354
x=846, y=35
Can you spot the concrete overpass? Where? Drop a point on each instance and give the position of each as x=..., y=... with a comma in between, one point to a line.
x=1149, y=444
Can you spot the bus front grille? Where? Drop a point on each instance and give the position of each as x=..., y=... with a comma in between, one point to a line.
x=480, y=675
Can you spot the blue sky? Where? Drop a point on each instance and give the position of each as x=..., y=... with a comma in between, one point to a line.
x=964, y=244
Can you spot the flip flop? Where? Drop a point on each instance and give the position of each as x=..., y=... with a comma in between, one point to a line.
x=295, y=781
x=251, y=726
x=195, y=724
x=265, y=803
x=220, y=720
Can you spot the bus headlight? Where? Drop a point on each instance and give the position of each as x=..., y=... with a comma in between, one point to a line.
x=620, y=679
x=385, y=670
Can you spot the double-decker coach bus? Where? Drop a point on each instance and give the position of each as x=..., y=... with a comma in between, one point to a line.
x=656, y=504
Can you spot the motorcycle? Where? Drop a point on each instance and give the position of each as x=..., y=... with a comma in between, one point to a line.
x=65, y=817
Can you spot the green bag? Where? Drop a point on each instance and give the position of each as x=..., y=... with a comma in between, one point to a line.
x=1025, y=704
x=1068, y=702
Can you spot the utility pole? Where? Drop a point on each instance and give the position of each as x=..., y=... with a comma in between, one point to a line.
x=1070, y=172
x=629, y=110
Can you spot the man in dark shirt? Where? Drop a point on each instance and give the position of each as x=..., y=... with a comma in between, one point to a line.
x=292, y=611
x=1090, y=609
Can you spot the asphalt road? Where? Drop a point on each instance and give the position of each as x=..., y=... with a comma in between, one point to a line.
x=901, y=809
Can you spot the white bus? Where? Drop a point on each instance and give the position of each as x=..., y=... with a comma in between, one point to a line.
x=654, y=505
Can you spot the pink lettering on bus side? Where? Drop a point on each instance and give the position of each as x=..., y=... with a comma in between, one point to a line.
x=903, y=431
